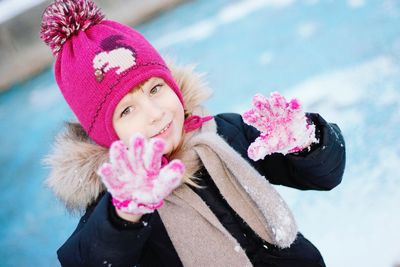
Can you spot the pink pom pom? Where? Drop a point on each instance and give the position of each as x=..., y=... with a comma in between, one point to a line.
x=64, y=18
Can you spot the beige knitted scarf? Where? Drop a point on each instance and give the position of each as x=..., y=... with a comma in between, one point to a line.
x=196, y=233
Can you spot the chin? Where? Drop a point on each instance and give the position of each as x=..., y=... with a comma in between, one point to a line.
x=168, y=149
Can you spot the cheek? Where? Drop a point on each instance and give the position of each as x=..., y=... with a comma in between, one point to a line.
x=180, y=113
x=122, y=133
x=179, y=116
x=126, y=128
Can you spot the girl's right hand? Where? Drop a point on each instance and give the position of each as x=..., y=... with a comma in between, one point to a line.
x=134, y=176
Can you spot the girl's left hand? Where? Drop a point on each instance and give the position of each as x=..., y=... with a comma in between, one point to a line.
x=283, y=126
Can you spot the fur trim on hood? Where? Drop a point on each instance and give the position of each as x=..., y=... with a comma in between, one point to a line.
x=75, y=158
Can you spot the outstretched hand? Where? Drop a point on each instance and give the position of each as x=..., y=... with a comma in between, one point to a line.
x=135, y=178
x=283, y=126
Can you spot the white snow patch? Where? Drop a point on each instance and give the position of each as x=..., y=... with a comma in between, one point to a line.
x=198, y=31
x=266, y=58
x=336, y=94
x=279, y=234
x=204, y=29
x=242, y=9
x=237, y=248
x=307, y=29
x=356, y=3
x=44, y=97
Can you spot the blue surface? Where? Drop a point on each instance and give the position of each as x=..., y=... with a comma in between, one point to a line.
x=340, y=58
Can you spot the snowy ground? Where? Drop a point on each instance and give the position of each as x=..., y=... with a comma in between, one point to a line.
x=340, y=58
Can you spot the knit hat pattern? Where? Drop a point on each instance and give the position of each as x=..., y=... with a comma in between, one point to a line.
x=98, y=62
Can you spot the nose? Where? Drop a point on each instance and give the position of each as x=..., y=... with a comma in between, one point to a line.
x=154, y=112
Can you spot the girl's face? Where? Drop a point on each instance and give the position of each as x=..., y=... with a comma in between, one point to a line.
x=152, y=109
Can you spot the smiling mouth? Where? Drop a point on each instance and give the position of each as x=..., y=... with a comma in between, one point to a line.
x=163, y=130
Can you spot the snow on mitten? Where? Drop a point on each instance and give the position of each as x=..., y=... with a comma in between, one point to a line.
x=283, y=126
x=134, y=176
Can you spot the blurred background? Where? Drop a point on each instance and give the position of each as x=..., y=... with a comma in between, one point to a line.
x=340, y=58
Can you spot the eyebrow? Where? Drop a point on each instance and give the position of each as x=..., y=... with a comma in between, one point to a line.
x=122, y=104
x=149, y=83
x=146, y=84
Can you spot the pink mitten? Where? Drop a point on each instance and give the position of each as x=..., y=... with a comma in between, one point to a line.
x=134, y=176
x=283, y=126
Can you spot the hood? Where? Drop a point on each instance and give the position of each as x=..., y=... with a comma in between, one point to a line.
x=75, y=158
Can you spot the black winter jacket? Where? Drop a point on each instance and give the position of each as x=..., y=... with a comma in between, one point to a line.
x=103, y=239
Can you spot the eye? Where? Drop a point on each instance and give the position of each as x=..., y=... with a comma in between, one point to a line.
x=156, y=89
x=126, y=111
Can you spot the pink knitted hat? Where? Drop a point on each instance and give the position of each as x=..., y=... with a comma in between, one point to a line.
x=97, y=63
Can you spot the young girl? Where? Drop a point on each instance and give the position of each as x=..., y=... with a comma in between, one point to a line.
x=161, y=182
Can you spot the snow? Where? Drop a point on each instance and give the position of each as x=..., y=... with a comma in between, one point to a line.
x=356, y=3
x=279, y=234
x=43, y=98
x=242, y=9
x=266, y=58
x=205, y=28
x=307, y=29
x=320, y=93
x=237, y=248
